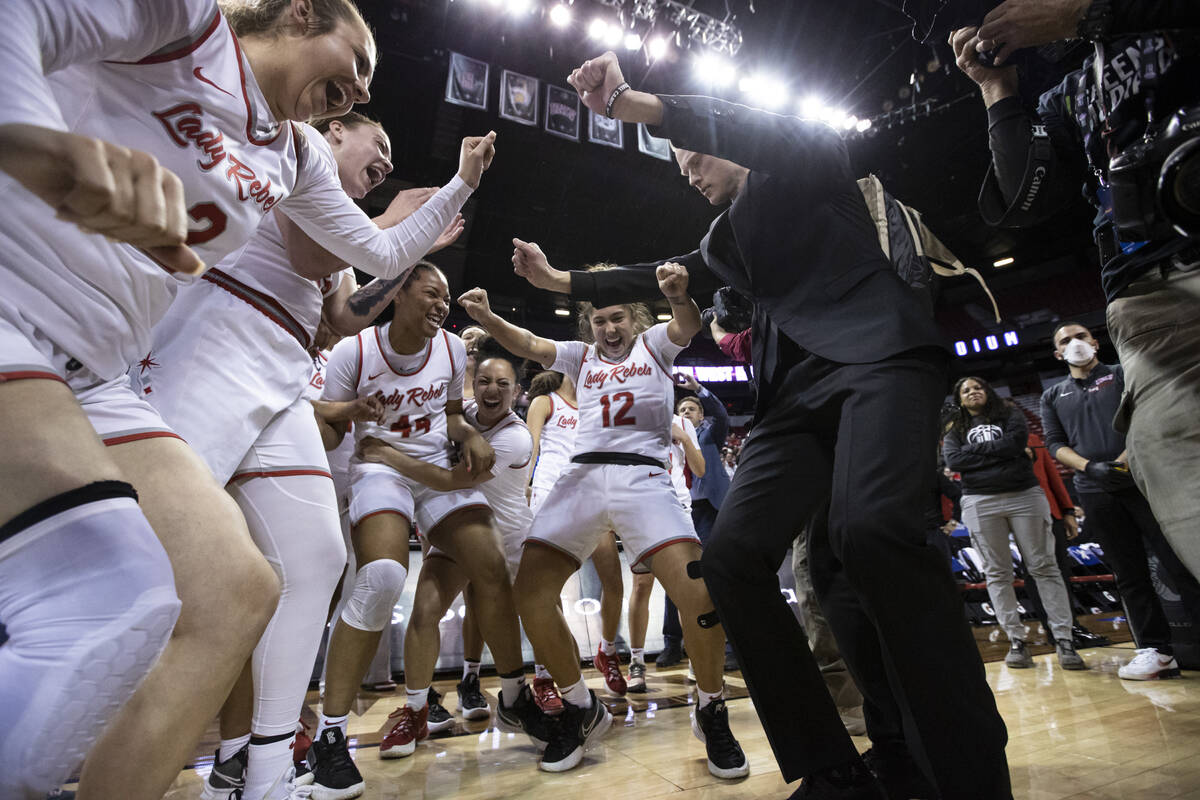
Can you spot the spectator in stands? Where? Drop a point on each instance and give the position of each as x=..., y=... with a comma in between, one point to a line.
x=985, y=442
x=729, y=459
x=1077, y=418
x=1064, y=526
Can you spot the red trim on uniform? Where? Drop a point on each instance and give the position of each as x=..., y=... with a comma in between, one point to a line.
x=182, y=51
x=521, y=466
x=530, y=540
x=579, y=374
x=442, y=518
x=565, y=400
x=30, y=374
x=276, y=313
x=383, y=355
x=662, y=545
x=399, y=514
x=237, y=48
x=659, y=363
x=280, y=473
x=134, y=437
x=449, y=352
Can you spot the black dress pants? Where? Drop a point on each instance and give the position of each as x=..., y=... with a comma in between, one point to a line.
x=864, y=436
x=1123, y=524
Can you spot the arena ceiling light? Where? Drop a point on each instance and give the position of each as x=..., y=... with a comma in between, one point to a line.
x=657, y=47
x=1003, y=262
x=518, y=7
x=663, y=318
x=560, y=16
x=633, y=42
x=597, y=29
x=562, y=312
x=863, y=125
x=764, y=91
x=613, y=35
x=714, y=69
x=811, y=106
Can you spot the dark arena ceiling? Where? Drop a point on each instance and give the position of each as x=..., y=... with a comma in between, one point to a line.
x=586, y=203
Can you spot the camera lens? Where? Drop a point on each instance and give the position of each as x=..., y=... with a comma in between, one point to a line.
x=1179, y=188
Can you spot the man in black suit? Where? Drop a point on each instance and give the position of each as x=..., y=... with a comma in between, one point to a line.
x=851, y=374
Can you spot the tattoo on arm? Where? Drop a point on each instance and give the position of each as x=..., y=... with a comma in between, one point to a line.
x=366, y=298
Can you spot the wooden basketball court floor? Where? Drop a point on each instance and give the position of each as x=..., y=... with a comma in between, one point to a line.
x=1081, y=735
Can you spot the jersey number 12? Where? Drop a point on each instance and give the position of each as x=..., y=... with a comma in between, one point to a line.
x=622, y=417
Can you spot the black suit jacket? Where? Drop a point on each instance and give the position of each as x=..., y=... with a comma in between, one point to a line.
x=797, y=241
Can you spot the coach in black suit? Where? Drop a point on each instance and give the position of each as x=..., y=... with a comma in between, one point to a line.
x=851, y=373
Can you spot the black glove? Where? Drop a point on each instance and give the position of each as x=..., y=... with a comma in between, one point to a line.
x=1111, y=475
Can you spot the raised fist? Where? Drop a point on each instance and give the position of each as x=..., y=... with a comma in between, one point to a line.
x=595, y=79
x=475, y=303
x=672, y=280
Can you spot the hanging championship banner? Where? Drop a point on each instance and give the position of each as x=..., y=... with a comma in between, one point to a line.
x=562, y=112
x=652, y=145
x=605, y=131
x=518, y=97
x=467, y=83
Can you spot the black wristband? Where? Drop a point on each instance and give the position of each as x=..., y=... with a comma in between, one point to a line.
x=612, y=98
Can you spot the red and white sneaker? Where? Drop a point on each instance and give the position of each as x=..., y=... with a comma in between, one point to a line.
x=300, y=745
x=1149, y=665
x=546, y=695
x=610, y=668
x=410, y=727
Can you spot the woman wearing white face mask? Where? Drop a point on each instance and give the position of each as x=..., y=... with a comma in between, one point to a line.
x=986, y=442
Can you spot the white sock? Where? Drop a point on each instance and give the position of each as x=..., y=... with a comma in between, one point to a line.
x=230, y=747
x=267, y=762
x=540, y=671
x=470, y=668
x=637, y=655
x=609, y=648
x=417, y=698
x=333, y=722
x=707, y=697
x=510, y=688
x=578, y=695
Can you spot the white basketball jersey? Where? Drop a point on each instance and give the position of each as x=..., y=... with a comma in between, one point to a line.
x=414, y=389
x=196, y=107
x=505, y=492
x=625, y=406
x=557, y=441
x=678, y=461
x=339, y=457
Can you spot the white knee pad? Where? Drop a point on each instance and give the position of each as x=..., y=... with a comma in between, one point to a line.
x=377, y=588
x=88, y=599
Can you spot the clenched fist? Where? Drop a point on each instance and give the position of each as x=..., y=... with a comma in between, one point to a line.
x=672, y=280
x=475, y=303
x=595, y=79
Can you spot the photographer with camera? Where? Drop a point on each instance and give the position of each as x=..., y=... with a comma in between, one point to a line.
x=1126, y=127
x=850, y=368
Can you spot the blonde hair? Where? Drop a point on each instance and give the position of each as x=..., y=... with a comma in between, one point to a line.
x=261, y=17
x=640, y=312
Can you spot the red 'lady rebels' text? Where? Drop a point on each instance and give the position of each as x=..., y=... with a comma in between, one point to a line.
x=618, y=374
x=416, y=396
x=184, y=124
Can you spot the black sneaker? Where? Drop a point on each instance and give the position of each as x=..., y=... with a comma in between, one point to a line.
x=853, y=782
x=711, y=726
x=571, y=732
x=439, y=718
x=902, y=779
x=1018, y=655
x=228, y=777
x=471, y=702
x=524, y=716
x=1083, y=638
x=332, y=772
x=672, y=654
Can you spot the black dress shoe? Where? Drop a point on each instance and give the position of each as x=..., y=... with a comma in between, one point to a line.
x=902, y=779
x=854, y=782
x=1082, y=638
x=671, y=654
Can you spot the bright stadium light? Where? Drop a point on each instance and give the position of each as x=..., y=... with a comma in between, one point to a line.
x=863, y=125
x=764, y=91
x=633, y=42
x=597, y=29
x=657, y=48
x=613, y=35
x=810, y=107
x=714, y=70
x=849, y=122
x=560, y=16
x=518, y=7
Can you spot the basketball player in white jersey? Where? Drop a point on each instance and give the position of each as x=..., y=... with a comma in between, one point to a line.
x=417, y=370
x=685, y=451
x=552, y=420
x=618, y=481
x=227, y=371
x=441, y=578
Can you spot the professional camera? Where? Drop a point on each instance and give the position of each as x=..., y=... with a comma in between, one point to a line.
x=730, y=310
x=1156, y=182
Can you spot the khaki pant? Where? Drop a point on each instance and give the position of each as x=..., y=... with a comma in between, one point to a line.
x=1155, y=325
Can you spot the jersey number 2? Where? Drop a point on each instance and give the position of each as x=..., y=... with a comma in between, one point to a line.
x=622, y=417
